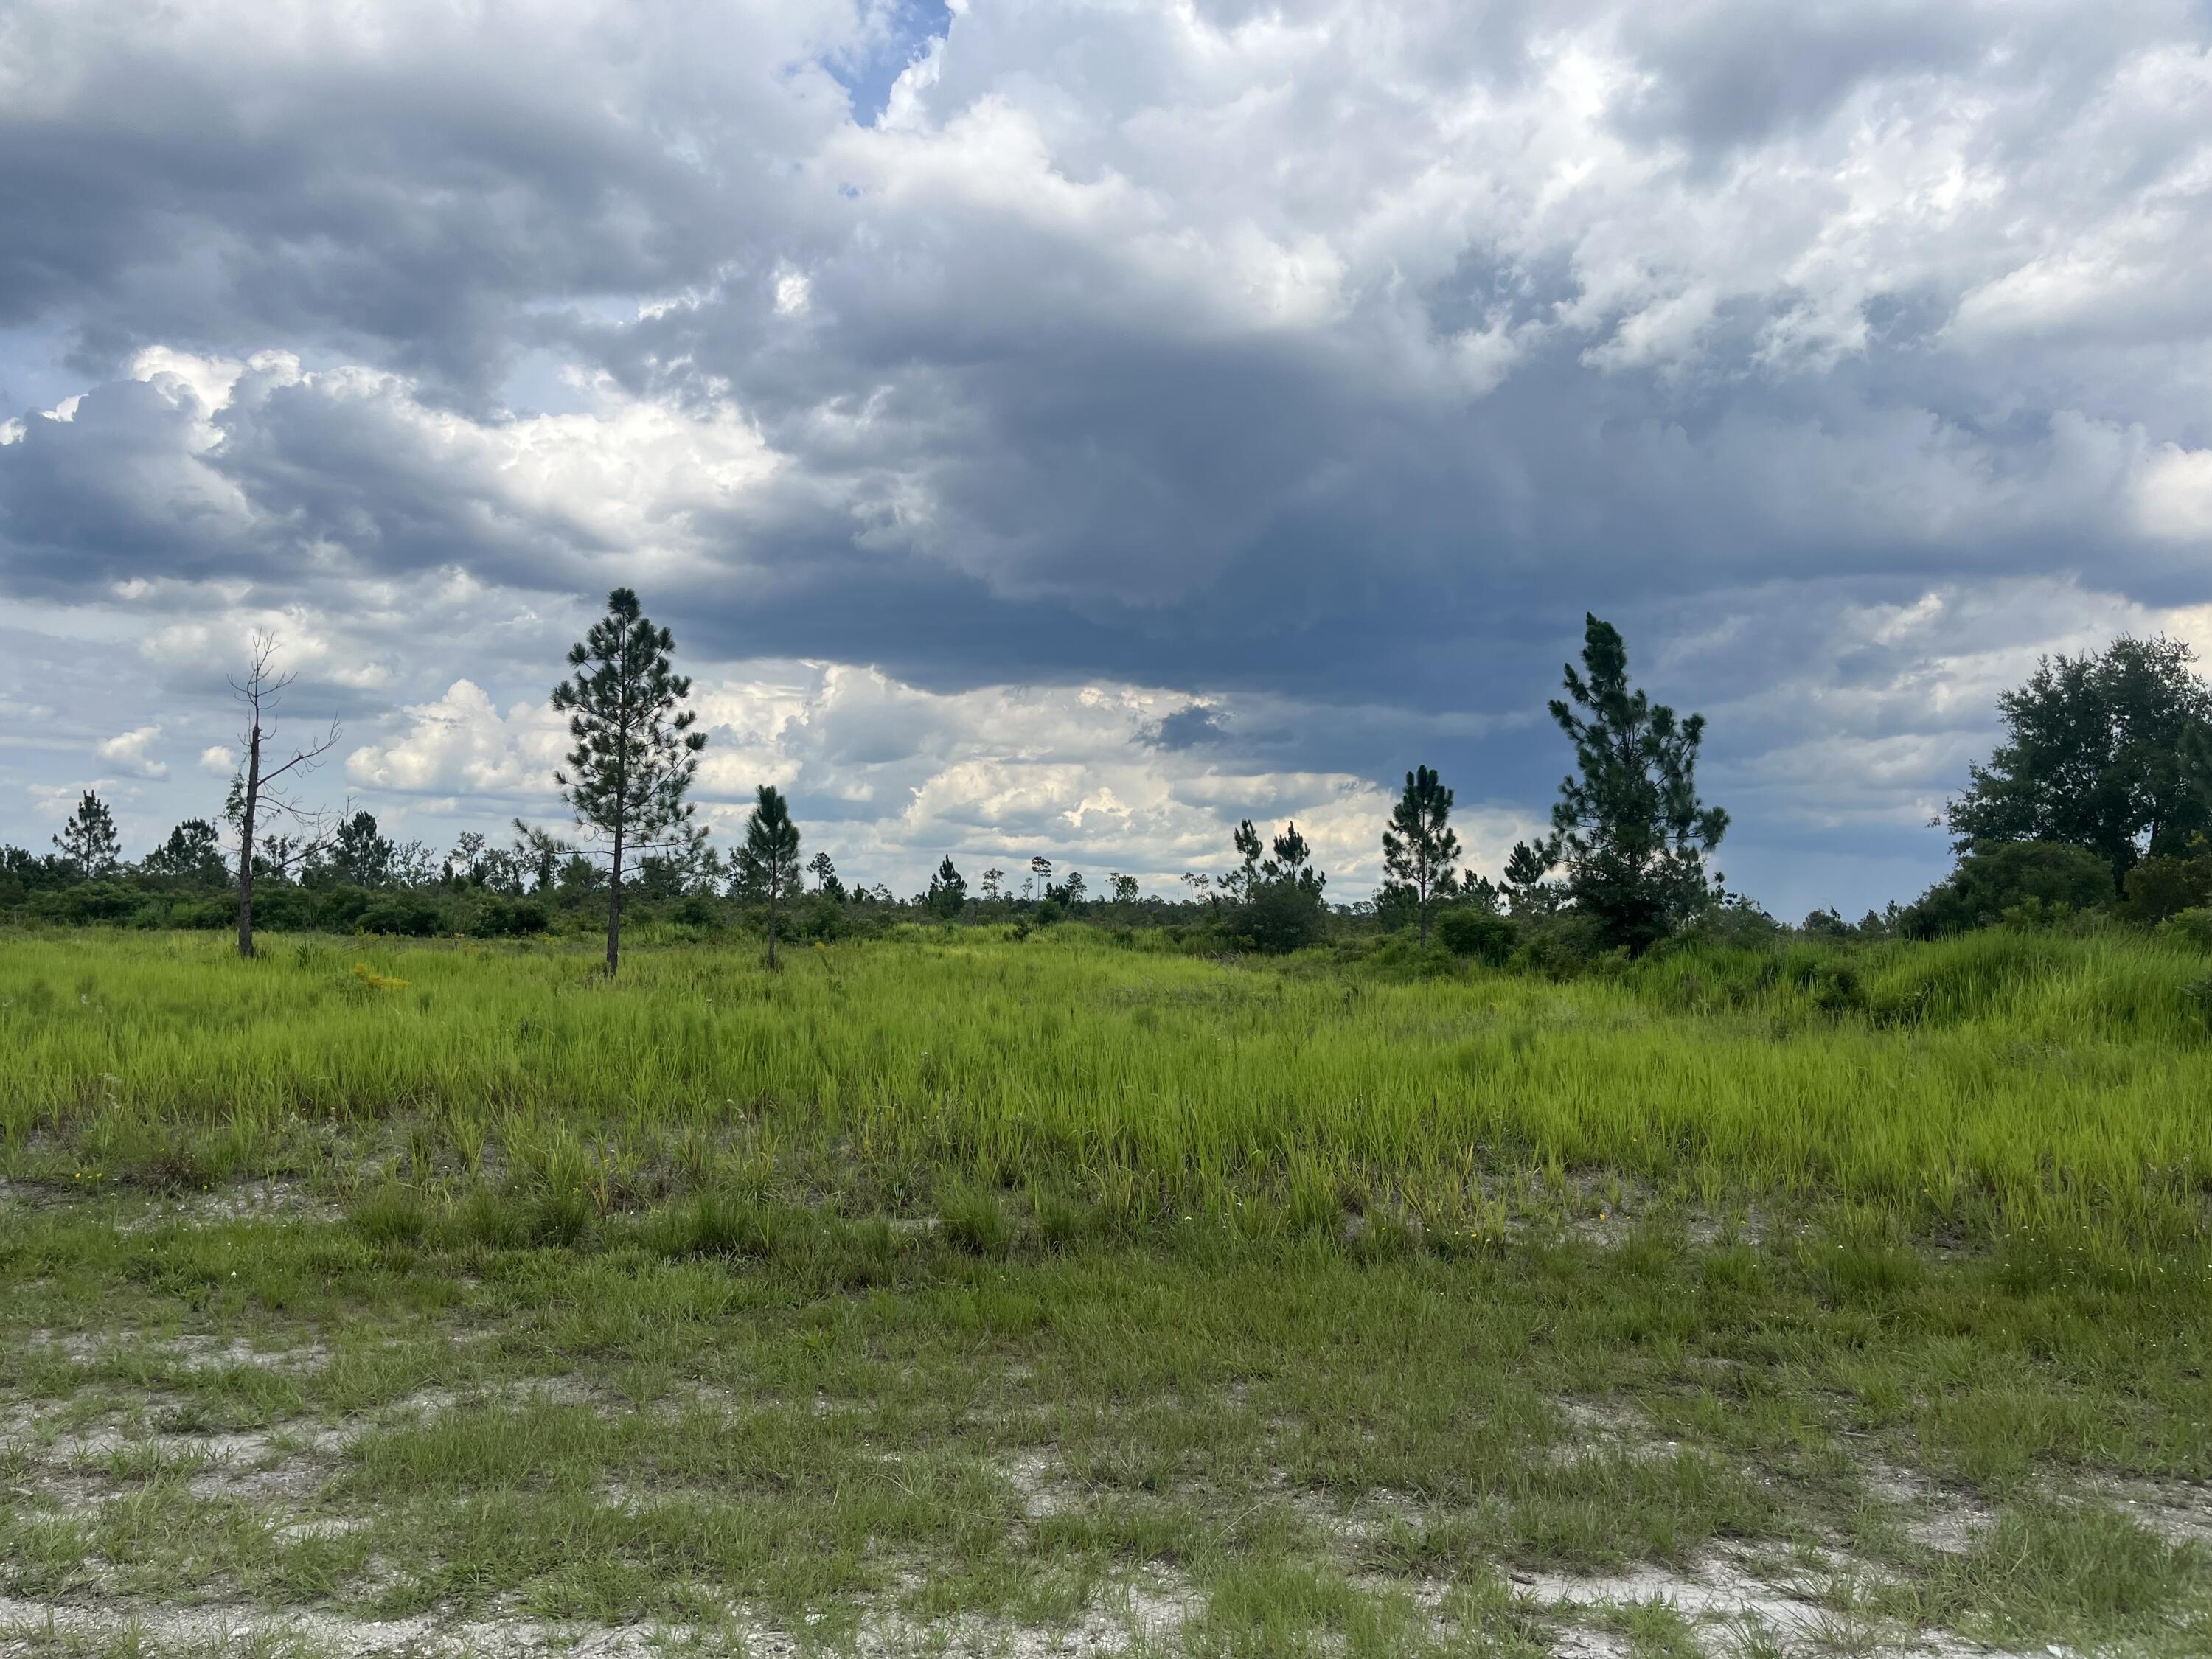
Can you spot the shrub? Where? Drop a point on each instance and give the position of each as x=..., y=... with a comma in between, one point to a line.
x=2191, y=927
x=88, y=902
x=341, y=908
x=1558, y=946
x=281, y=908
x=1835, y=987
x=399, y=913
x=2160, y=887
x=1281, y=917
x=2050, y=878
x=495, y=917
x=1468, y=932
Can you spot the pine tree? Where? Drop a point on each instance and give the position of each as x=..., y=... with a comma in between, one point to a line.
x=826, y=878
x=1525, y=870
x=88, y=842
x=1631, y=828
x=1419, y=847
x=948, y=889
x=192, y=854
x=635, y=753
x=1246, y=876
x=361, y=853
x=537, y=854
x=769, y=857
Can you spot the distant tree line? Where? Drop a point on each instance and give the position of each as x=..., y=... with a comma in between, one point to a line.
x=2098, y=801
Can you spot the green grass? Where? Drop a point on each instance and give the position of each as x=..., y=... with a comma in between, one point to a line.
x=1997, y=1082
x=1301, y=1443
x=948, y=1293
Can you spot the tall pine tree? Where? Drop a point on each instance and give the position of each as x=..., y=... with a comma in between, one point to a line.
x=88, y=842
x=1419, y=847
x=948, y=889
x=635, y=753
x=769, y=858
x=1630, y=828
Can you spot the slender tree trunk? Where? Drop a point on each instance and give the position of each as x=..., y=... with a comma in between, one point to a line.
x=245, y=842
x=614, y=912
x=772, y=885
x=1424, y=910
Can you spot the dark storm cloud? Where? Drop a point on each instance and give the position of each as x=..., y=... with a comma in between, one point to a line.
x=1335, y=354
x=1188, y=727
x=402, y=184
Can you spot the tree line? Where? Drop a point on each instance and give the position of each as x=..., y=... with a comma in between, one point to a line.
x=2099, y=799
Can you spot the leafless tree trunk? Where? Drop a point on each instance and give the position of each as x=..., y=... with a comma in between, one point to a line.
x=261, y=691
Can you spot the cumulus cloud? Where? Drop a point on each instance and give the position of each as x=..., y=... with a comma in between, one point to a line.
x=889, y=777
x=128, y=750
x=1301, y=373
x=461, y=745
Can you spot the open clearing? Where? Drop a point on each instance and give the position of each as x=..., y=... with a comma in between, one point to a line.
x=1494, y=1320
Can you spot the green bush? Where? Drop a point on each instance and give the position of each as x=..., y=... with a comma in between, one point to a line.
x=2191, y=927
x=88, y=902
x=2160, y=887
x=1560, y=946
x=1281, y=917
x=495, y=917
x=341, y=908
x=2038, y=881
x=1468, y=932
x=403, y=913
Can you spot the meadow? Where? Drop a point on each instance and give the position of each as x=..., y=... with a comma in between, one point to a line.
x=956, y=1292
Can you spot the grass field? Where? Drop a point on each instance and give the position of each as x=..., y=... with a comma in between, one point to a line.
x=947, y=1293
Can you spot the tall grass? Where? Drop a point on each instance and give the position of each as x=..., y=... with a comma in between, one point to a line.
x=1994, y=1080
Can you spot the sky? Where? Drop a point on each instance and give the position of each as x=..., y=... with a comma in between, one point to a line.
x=1072, y=426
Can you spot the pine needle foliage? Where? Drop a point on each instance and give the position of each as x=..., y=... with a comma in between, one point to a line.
x=635, y=754
x=1629, y=826
x=88, y=842
x=1419, y=845
x=769, y=858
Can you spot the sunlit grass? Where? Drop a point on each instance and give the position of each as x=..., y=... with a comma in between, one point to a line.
x=947, y=1283
x=1994, y=1083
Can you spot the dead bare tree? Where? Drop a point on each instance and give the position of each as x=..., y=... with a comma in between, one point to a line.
x=256, y=793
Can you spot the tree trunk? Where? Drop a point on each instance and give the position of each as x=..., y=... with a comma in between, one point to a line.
x=245, y=842
x=771, y=921
x=1425, y=912
x=614, y=912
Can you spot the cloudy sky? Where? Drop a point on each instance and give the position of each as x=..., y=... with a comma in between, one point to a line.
x=1068, y=427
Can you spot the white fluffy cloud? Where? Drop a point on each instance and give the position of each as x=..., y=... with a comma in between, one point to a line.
x=897, y=776
x=462, y=745
x=129, y=749
x=1323, y=359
